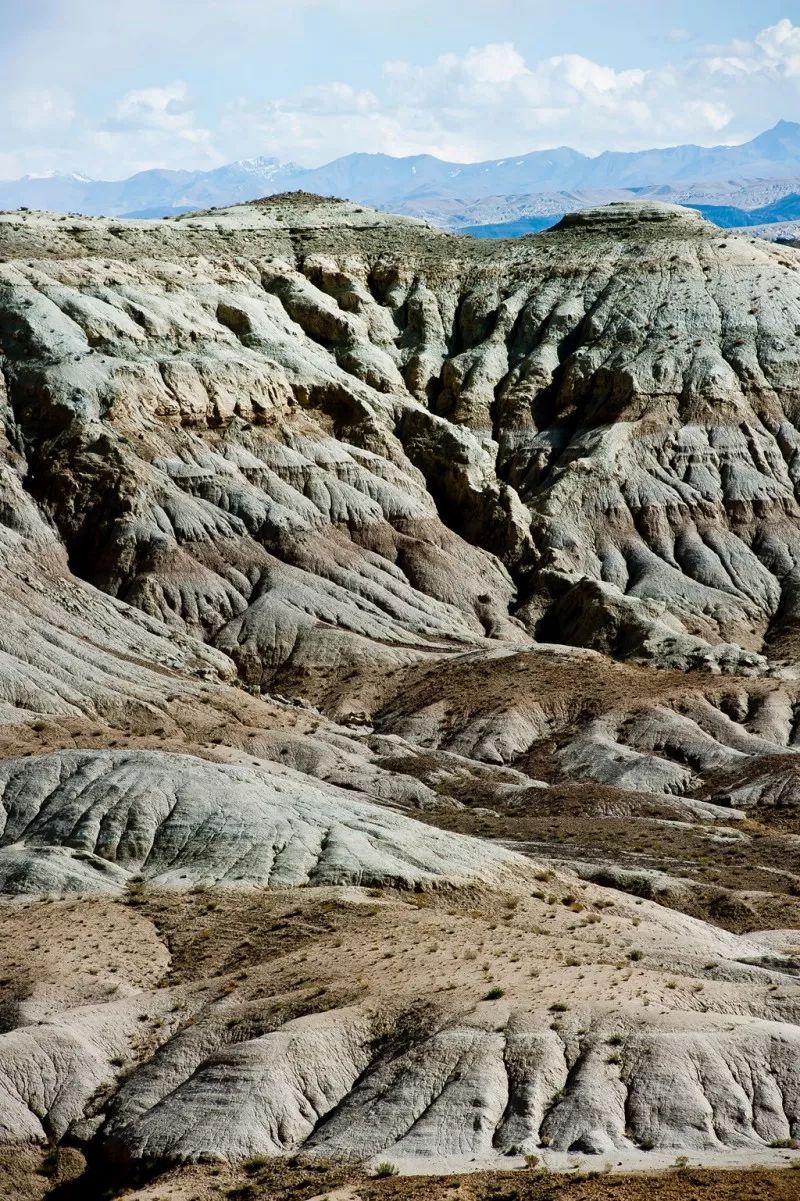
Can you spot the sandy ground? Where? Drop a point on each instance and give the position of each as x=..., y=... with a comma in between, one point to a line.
x=25, y=1176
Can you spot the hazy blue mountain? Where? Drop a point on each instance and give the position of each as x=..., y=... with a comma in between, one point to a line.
x=156, y=193
x=775, y=152
x=420, y=183
x=727, y=216
x=512, y=229
x=158, y=211
x=377, y=178
x=724, y=215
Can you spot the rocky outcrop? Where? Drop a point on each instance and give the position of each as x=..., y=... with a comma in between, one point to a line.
x=93, y=821
x=367, y=592
x=470, y=1090
x=300, y=414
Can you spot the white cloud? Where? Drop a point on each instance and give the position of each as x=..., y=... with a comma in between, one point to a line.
x=316, y=124
x=33, y=122
x=155, y=108
x=779, y=47
x=489, y=101
x=155, y=127
x=10, y=166
x=34, y=109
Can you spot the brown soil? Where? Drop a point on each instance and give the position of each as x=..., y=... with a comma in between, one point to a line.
x=31, y=1176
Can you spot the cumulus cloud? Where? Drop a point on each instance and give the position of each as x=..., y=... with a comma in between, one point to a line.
x=487, y=101
x=156, y=127
x=155, y=108
x=774, y=55
x=316, y=124
x=490, y=101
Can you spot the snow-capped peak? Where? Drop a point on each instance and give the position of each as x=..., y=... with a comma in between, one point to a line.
x=263, y=167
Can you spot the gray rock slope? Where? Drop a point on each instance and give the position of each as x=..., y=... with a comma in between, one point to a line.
x=393, y=1054
x=270, y=422
x=93, y=821
x=469, y=1090
x=320, y=531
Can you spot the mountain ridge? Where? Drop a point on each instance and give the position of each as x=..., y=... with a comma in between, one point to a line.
x=421, y=185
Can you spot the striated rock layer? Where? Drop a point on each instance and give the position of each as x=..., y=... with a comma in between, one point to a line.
x=399, y=711
x=298, y=413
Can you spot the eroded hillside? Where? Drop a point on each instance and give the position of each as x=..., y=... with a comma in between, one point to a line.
x=399, y=690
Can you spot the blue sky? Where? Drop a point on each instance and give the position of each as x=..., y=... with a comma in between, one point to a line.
x=111, y=88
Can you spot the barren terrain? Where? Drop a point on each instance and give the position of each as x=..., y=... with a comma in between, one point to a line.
x=399, y=708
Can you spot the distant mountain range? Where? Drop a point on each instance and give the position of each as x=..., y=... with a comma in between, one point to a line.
x=727, y=216
x=148, y=193
x=477, y=196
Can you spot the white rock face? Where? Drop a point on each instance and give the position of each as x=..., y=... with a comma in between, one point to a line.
x=313, y=520
x=468, y=1090
x=332, y=418
x=90, y=821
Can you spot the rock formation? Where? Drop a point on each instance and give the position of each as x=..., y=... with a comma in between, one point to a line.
x=398, y=686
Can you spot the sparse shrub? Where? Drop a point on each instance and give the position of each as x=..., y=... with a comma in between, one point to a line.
x=385, y=1169
x=49, y=1165
x=494, y=994
x=256, y=1163
x=134, y=891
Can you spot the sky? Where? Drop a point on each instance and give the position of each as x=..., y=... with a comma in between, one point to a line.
x=107, y=89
